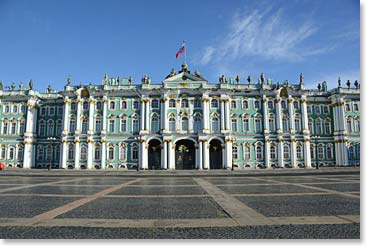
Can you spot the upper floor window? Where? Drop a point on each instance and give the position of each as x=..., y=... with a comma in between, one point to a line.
x=197, y=124
x=52, y=110
x=245, y=104
x=197, y=103
x=43, y=111
x=270, y=104
x=184, y=103
x=112, y=105
x=99, y=105
x=172, y=103
x=136, y=105
x=85, y=105
x=283, y=104
x=259, y=153
x=6, y=108
x=123, y=104
x=155, y=123
x=257, y=104
x=214, y=103
x=326, y=109
x=15, y=109
x=309, y=109
x=356, y=107
x=185, y=123
x=23, y=109
x=233, y=104
x=234, y=125
x=215, y=124
x=155, y=104
x=73, y=106
x=296, y=105
x=111, y=126
x=347, y=107
x=60, y=111
x=172, y=124
x=317, y=109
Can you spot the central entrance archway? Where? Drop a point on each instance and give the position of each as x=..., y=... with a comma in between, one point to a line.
x=154, y=154
x=216, y=154
x=185, y=154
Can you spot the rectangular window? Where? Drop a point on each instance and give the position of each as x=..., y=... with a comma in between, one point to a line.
x=234, y=125
x=245, y=125
x=52, y=111
x=326, y=109
x=111, y=125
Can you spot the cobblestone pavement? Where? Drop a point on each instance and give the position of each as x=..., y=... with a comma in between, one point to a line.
x=316, y=205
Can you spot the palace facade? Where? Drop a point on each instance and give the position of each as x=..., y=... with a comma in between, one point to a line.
x=182, y=123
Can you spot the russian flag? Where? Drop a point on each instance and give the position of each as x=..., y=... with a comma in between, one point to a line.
x=181, y=50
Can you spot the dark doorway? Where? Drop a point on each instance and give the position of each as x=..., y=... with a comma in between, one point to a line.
x=185, y=154
x=154, y=154
x=216, y=154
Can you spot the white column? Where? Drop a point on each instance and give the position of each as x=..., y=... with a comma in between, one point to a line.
x=77, y=154
x=278, y=115
x=307, y=152
x=206, y=154
x=228, y=118
x=229, y=154
x=205, y=114
x=165, y=116
x=90, y=154
x=78, y=114
x=65, y=116
x=104, y=120
x=164, y=153
x=280, y=153
x=29, y=135
x=171, y=155
x=147, y=115
x=224, y=156
x=64, y=153
x=103, y=155
x=304, y=115
x=91, y=116
x=142, y=122
x=291, y=115
x=266, y=152
x=191, y=115
x=222, y=116
x=265, y=114
x=144, y=152
x=294, y=152
x=199, y=163
x=197, y=155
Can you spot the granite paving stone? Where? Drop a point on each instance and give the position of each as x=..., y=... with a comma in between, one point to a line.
x=308, y=205
x=66, y=190
x=342, y=231
x=165, y=190
x=339, y=187
x=166, y=182
x=220, y=181
x=147, y=208
x=265, y=189
x=27, y=207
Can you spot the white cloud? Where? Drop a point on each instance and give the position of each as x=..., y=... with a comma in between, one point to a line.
x=267, y=34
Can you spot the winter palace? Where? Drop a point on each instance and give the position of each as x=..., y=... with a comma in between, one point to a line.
x=184, y=122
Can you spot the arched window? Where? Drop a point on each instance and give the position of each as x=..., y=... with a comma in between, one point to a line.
x=357, y=125
x=329, y=152
x=197, y=124
x=347, y=107
x=234, y=124
x=2, y=152
x=98, y=123
x=299, y=152
x=172, y=124
x=83, y=153
x=285, y=124
x=286, y=152
x=40, y=153
x=123, y=104
x=326, y=109
x=185, y=123
x=72, y=124
x=257, y=104
x=349, y=124
x=310, y=126
x=234, y=152
x=215, y=124
x=272, y=152
x=85, y=105
x=112, y=105
x=123, y=124
x=245, y=104
x=97, y=152
x=15, y=109
x=245, y=123
x=259, y=153
x=214, y=103
x=197, y=103
x=58, y=127
x=246, y=151
x=258, y=127
x=42, y=128
x=136, y=105
x=6, y=109
x=270, y=104
x=356, y=108
x=297, y=123
x=71, y=152
x=320, y=152
x=283, y=104
x=72, y=106
x=134, y=152
x=233, y=104
x=327, y=127
x=155, y=125
x=99, y=105
x=172, y=103
x=22, y=127
x=11, y=153
x=271, y=123
x=13, y=127
x=122, y=152
x=20, y=153
x=135, y=125
x=155, y=104
x=111, y=152
x=50, y=128
x=5, y=126
x=111, y=125
x=84, y=126
x=295, y=105
x=184, y=103
x=49, y=153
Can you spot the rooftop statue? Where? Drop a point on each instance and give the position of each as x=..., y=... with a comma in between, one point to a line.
x=348, y=83
x=1, y=85
x=12, y=86
x=249, y=79
x=21, y=86
x=68, y=80
x=356, y=84
x=222, y=79
x=105, y=79
x=31, y=85
x=49, y=89
x=339, y=83
x=262, y=78
x=131, y=80
x=238, y=79
x=301, y=78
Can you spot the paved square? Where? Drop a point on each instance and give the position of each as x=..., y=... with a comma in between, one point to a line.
x=196, y=206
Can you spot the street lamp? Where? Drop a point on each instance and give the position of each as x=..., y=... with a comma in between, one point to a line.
x=316, y=138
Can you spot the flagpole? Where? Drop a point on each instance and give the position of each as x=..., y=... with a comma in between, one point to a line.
x=185, y=51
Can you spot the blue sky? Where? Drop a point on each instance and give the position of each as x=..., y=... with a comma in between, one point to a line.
x=47, y=40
